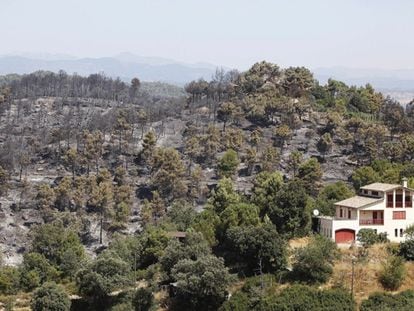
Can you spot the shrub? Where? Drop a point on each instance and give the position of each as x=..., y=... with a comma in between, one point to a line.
x=103, y=276
x=9, y=280
x=36, y=270
x=407, y=249
x=392, y=274
x=240, y=301
x=50, y=297
x=305, y=298
x=228, y=164
x=403, y=301
x=143, y=299
x=369, y=237
x=313, y=263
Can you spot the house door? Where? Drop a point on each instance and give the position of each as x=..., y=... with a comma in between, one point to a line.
x=344, y=236
x=378, y=215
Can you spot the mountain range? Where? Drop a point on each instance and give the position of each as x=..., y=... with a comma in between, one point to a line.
x=125, y=66
x=128, y=65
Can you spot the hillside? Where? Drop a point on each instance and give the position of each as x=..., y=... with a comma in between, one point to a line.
x=99, y=179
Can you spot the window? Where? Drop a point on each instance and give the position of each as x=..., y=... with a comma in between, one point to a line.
x=340, y=213
x=398, y=200
x=365, y=191
x=390, y=200
x=396, y=233
x=408, y=200
x=349, y=214
x=374, y=193
x=398, y=215
x=401, y=233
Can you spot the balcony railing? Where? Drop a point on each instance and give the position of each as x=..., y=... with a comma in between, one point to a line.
x=399, y=204
x=371, y=221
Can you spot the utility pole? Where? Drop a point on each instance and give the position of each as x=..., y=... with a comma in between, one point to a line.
x=352, y=277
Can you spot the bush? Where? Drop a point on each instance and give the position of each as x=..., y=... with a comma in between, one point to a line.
x=407, y=249
x=143, y=299
x=50, y=297
x=305, y=298
x=392, y=274
x=368, y=237
x=313, y=263
x=103, y=276
x=228, y=164
x=36, y=270
x=240, y=301
x=403, y=301
x=248, y=246
x=9, y=280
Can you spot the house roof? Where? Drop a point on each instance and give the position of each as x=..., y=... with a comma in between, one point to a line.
x=358, y=201
x=381, y=187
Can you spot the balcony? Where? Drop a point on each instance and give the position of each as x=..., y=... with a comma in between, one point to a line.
x=399, y=204
x=371, y=222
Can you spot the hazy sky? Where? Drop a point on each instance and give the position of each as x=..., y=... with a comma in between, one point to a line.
x=234, y=33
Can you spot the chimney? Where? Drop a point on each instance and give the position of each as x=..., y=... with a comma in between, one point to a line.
x=404, y=182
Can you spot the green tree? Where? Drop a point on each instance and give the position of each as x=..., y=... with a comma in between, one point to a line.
x=142, y=299
x=226, y=112
x=297, y=81
x=294, y=161
x=148, y=144
x=193, y=247
x=239, y=215
x=407, y=247
x=182, y=215
x=50, y=297
x=393, y=115
x=102, y=277
x=255, y=248
x=9, y=280
x=265, y=188
x=228, y=164
x=45, y=197
x=290, y=213
x=310, y=173
x=270, y=159
x=330, y=194
x=363, y=176
x=206, y=222
x=282, y=134
x=325, y=144
x=154, y=240
x=36, y=270
x=53, y=241
x=168, y=172
x=314, y=263
x=224, y=195
x=369, y=237
x=72, y=160
x=393, y=273
x=202, y=283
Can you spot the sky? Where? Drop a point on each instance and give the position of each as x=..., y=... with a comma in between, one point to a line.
x=232, y=33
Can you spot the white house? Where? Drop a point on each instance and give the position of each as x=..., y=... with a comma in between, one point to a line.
x=382, y=207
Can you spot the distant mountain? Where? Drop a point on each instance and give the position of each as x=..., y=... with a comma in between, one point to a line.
x=125, y=65
x=382, y=79
x=151, y=69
